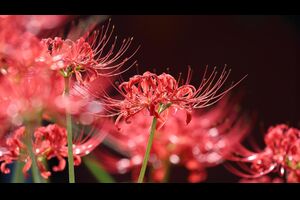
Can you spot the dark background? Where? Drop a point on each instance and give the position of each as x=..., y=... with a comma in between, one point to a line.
x=264, y=47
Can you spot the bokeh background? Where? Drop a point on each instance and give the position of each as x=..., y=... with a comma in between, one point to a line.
x=264, y=47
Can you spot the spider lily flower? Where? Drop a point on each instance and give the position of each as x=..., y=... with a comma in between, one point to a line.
x=86, y=57
x=159, y=94
x=281, y=155
x=31, y=89
x=29, y=86
x=48, y=142
x=27, y=99
x=203, y=143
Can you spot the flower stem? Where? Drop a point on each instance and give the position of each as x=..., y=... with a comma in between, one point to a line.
x=69, y=132
x=18, y=176
x=147, y=153
x=161, y=108
x=34, y=168
x=98, y=171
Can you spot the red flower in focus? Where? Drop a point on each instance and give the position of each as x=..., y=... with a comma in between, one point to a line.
x=281, y=155
x=203, y=143
x=49, y=142
x=157, y=93
x=86, y=58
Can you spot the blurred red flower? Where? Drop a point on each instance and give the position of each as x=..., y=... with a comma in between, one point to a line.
x=281, y=155
x=48, y=142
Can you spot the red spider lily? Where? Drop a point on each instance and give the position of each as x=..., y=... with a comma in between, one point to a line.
x=263, y=179
x=31, y=89
x=29, y=86
x=49, y=142
x=86, y=58
x=202, y=143
x=281, y=155
x=157, y=93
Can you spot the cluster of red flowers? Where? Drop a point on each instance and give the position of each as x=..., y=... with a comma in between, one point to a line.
x=33, y=74
x=55, y=102
x=281, y=156
x=49, y=142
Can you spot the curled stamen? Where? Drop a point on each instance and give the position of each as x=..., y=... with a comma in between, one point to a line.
x=87, y=57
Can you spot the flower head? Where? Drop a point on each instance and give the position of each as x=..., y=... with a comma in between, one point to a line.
x=48, y=142
x=281, y=155
x=159, y=94
x=87, y=57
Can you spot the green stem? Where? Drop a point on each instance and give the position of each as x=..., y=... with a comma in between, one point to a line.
x=150, y=141
x=18, y=176
x=98, y=171
x=70, y=137
x=34, y=168
x=147, y=153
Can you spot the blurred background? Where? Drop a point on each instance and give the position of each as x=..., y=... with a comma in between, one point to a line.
x=264, y=47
